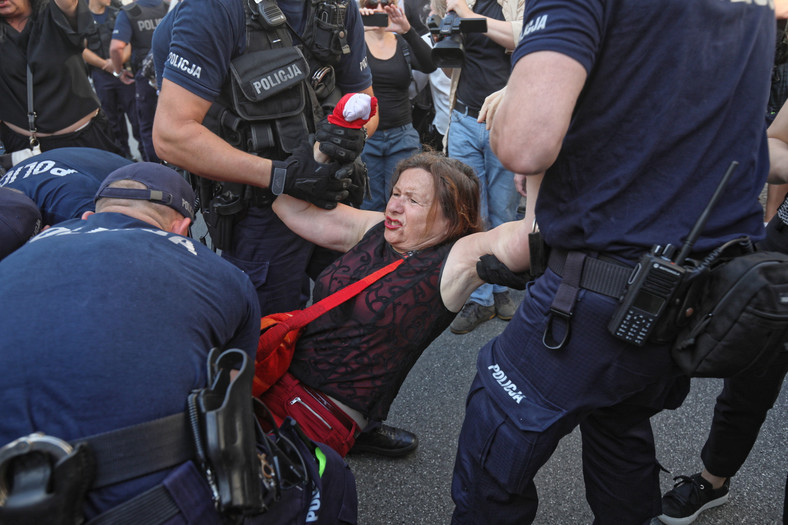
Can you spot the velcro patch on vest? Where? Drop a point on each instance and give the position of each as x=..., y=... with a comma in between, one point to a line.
x=263, y=74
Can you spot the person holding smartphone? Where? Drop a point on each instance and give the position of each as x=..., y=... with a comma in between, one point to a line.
x=393, y=51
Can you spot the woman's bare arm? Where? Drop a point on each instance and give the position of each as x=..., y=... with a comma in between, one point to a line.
x=338, y=229
x=508, y=242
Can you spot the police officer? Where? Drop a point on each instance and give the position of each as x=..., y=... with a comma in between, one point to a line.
x=20, y=219
x=62, y=182
x=628, y=164
x=107, y=321
x=199, y=50
x=134, y=28
x=117, y=98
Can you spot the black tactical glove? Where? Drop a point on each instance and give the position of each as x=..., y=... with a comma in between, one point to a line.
x=341, y=144
x=493, y=271
x=301, y=176
x=359, y=182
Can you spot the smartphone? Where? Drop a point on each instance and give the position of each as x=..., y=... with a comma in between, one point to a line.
x=376, y=20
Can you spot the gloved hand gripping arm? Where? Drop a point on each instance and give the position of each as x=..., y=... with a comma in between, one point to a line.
x=301, y=176
x=342, y=135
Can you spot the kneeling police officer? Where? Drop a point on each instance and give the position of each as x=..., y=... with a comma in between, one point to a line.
x=114, y=410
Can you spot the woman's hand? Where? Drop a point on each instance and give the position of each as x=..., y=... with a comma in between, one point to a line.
x=461, y=8
x=398, y=22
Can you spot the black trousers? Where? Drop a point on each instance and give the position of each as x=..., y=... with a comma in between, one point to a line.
x=745, y=399
x=738, y=415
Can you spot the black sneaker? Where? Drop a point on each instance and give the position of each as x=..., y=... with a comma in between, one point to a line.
x=690, y=496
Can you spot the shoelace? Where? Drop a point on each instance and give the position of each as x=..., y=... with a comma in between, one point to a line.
x=697, y=488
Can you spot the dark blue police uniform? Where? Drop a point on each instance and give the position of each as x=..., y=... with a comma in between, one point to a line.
x=675, y=92
x=135, y=25
x=117, y=99
x=193, y=47
x=63, y=181
x=107, y=322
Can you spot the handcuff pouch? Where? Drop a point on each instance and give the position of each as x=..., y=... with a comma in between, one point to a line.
x=44, y=479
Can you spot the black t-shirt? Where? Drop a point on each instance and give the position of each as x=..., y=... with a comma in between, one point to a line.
x=61, y=91
x=487, y=65
x=391, y=79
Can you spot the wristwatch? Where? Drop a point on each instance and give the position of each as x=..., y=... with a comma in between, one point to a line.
x=116, y=74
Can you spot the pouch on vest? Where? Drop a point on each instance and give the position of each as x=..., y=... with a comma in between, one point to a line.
x=326, y=35
x=269, y=84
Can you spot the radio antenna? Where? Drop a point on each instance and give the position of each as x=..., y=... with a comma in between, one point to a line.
x=695, y=233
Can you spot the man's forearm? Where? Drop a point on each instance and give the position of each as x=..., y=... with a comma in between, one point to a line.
x=193, y=147
x=92, y=59
x=116, y=52
x=778, y=161
x=503, y=33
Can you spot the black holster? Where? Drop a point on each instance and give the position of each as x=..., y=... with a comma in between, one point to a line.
x=224, y=433
x=224, y=205
x=540, y=253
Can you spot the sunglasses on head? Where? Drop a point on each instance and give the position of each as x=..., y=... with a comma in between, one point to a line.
x=372, y=4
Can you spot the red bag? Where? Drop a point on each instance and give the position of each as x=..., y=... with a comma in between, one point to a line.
x=279, y=332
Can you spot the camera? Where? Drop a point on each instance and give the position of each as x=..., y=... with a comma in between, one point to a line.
x=449, y=51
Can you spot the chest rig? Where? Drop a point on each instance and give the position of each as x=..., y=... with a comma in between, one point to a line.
x=274, y=95
x=143, y=21
x=268, y=103
x=100, y=35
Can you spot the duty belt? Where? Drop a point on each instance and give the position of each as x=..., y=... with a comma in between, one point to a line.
x=122, y=455
x=577, y=270
x=597, y=275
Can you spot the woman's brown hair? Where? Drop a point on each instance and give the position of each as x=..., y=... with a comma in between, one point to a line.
x=456, y=191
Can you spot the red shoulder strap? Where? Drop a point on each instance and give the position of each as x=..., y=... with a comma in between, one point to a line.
x=307, y=315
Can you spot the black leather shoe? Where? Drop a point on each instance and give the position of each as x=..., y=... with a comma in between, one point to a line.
x=386, y=441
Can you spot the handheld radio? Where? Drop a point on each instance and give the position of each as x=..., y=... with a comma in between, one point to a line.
x=653, y=283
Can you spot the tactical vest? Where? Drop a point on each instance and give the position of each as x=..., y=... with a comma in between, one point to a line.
x=270, y=103
x=274, y=95
x=143, y=20
x=101, y=34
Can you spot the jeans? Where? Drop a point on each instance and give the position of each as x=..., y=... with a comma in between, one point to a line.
x=469, y=142
x=381, y=154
